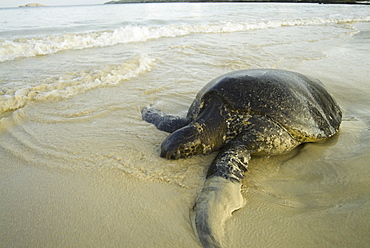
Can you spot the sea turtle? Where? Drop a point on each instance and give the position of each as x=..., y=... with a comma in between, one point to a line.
x=243, y=113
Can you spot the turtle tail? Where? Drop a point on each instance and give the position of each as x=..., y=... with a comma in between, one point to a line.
x=220, y=196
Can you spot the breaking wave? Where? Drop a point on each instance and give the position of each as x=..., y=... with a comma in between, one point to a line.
x=29, y=47
x=13, y=96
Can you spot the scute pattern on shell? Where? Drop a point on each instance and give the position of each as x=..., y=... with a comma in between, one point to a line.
x=299, y=104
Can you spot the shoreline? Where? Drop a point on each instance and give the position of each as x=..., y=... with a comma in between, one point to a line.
x=31, y=5
x=83, y=169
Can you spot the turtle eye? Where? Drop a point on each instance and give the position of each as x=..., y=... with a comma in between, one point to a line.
x=174, y=155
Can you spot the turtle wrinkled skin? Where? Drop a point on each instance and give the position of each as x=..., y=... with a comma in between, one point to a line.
x=244, y=113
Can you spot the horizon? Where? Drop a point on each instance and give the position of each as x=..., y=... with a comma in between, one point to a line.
x=17, y=3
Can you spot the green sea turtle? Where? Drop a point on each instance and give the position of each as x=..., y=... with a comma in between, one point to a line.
x=239, y=114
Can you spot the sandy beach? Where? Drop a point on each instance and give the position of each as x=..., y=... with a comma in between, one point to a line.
x=79, y=168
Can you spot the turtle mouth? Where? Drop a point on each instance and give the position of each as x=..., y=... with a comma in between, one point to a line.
x=181, y=144
x=182, y=152
x=171, y=155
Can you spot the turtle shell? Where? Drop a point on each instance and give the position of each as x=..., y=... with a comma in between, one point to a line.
x=298, y=103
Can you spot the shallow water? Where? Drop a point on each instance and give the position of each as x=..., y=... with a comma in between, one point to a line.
x=80, y=167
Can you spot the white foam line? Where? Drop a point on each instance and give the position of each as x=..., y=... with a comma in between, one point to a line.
x=29, y=47
x=17, y=96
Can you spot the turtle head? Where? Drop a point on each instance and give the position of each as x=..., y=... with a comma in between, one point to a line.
x=182, y=143
x=202, y=136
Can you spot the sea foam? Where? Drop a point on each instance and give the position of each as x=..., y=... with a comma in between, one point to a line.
x=16, y=95
x=50, y=44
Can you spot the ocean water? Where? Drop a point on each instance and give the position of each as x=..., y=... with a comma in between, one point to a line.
x=79, y=166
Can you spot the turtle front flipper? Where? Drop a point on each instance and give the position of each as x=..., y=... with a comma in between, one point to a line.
x=214, y=205
x=163, y=121
x=220, y=195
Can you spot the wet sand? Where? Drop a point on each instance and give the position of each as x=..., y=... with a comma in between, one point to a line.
x=316, y=196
